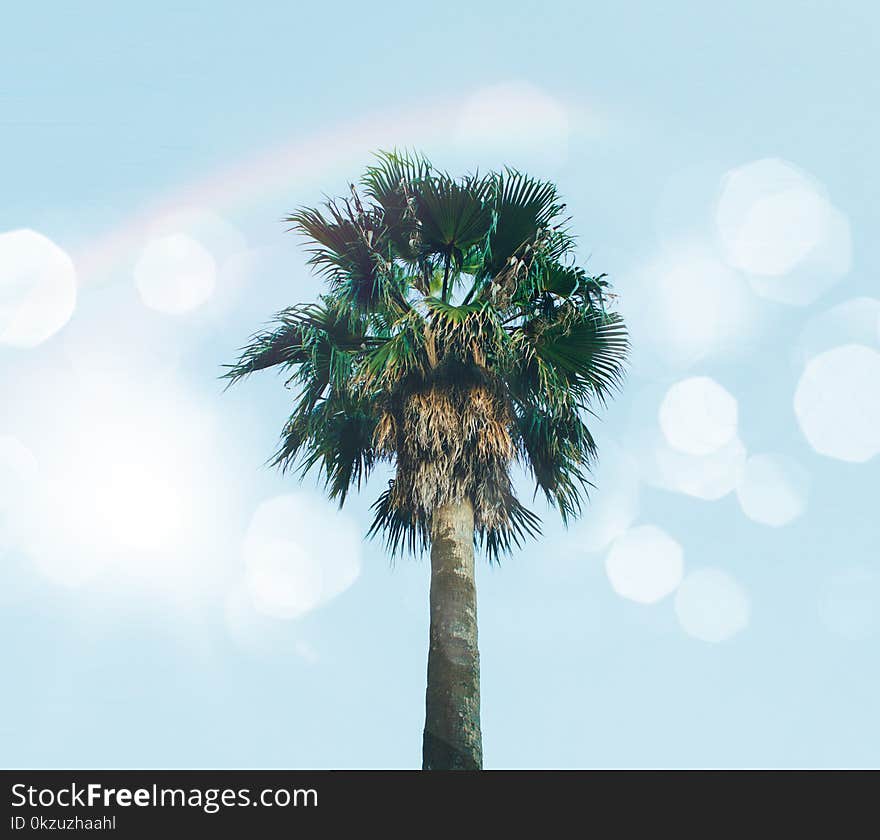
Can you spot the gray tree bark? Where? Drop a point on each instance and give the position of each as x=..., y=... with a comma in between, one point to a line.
x=452, y=739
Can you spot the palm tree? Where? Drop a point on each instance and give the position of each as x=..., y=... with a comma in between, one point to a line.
x=457, y=337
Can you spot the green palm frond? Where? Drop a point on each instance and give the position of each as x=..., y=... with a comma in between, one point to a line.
x=451, y=313
x=336, y=435
x=453, y=215
x=558, y=450
x=592, y=349
x=472, y=333
x=394, y=177
x=396, y=357
x=352, y=253
x=282, y=347
x=401, y=529
x=520, y=525
x=524, y=208
x=561, y=280
x=299, y=330
x=392, y=182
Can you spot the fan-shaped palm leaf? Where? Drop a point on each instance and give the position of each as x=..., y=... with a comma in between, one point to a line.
x=523, y=208
x=453, y=215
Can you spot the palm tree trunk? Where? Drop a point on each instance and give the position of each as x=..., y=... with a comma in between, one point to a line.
x=452, y=739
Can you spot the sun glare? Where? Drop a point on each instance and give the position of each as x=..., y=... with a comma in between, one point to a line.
x=126, y=485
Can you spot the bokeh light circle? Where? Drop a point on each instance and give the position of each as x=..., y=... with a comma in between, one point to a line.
x=837, y=403
x=37, y=288
x=711, y=606
x=299, y=553
x=175, y=274
x=769, y=216
x=776, y=223
x=645, y=564
x=683, y=305
x=698, y=416
x=773, y=489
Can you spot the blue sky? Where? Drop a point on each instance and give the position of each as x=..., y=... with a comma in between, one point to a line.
x=167, y=601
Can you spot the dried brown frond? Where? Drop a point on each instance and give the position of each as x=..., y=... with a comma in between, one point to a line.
x=450, y=443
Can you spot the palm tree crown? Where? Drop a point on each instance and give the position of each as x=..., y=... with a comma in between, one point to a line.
x=457, y=336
